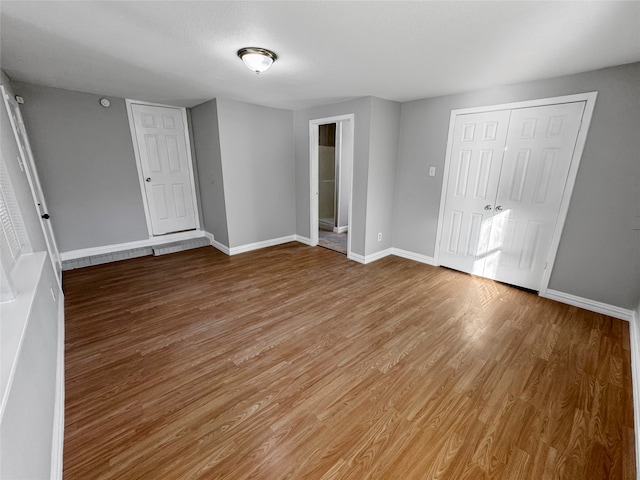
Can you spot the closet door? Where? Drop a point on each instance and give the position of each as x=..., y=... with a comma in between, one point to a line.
x=540, y=145
x=474, y=170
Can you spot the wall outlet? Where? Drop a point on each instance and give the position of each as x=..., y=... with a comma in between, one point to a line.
x=380, y=236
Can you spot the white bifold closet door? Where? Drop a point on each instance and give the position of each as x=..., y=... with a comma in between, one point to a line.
x=507, y=175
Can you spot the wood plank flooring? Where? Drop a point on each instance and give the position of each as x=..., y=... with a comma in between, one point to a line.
x=293, y=362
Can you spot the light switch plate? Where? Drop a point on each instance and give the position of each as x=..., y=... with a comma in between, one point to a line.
x=432, y=171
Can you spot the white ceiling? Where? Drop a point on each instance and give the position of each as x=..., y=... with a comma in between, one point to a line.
x=184, y=53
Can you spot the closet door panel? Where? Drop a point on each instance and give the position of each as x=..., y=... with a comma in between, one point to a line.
x=540, y=145
x=474, y=170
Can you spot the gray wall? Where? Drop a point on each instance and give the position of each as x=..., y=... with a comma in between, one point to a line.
x=85, y=158
x=256, y=146
x=206, y=140
x=598, y=257
x=361, y=108
x=383, y=154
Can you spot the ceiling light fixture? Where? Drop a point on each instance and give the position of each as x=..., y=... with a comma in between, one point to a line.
x=257, y=59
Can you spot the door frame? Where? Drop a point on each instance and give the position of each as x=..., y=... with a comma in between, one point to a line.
x=183, y=111
x=33, y=178
x=589, y=98
x=314, y=139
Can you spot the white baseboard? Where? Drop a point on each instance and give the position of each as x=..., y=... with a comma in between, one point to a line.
x=377, y=256
x=325, y=224
x=340, y=229
x=418, y=257
x=591, y=305
x=305, y=240
x=119, y=247
x=634, y=333
x=214, y=243
x=369, y=258
x=57, y=445
x=356, y=257
x=258, y=245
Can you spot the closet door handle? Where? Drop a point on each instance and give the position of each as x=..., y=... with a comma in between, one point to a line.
x=499, y=208
x=487, y=207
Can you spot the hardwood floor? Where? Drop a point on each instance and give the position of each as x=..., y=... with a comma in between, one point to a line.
x=293, y=362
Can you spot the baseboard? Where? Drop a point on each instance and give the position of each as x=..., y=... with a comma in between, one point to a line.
x=305, y=240
x=119, y=247
x=209, y=236
x=214, y=243
x=634, y=333
x=57, y=445
x=325, y=224
x=591, y=305
x=418, y=257
x=356, y=257
x=377, y=256
x=258, y=245
x=340, y=229
x=364, y=259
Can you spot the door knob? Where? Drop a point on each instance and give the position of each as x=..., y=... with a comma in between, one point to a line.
x=46, y=216
x=148, y=179
x=499, y=208
x=487, y=207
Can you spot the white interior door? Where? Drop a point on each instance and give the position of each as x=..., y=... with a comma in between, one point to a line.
x=520, y=176
x=474, y=171
x=165, y=166
x=540, y=146
x=29, y=166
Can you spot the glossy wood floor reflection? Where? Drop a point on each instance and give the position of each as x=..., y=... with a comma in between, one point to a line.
x=293, y=362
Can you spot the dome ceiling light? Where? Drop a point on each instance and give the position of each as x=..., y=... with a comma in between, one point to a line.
x=257, y=59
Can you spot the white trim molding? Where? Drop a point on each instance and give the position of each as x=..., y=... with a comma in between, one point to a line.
x=258, y=245
x=214, y=243
x=591, y=305
x=634, y=334
x=305, y=240
x=119, y=247
x=365, y=259
x=58, y=412
x=418, y=257
x=356, y=257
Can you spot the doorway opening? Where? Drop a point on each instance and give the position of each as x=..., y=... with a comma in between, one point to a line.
x=331, y=165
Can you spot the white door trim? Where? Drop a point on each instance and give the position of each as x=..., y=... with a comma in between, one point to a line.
x=590, y=99
x=129, y=102
x=314, y=137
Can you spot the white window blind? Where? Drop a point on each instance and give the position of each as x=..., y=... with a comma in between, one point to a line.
x=13, y=236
